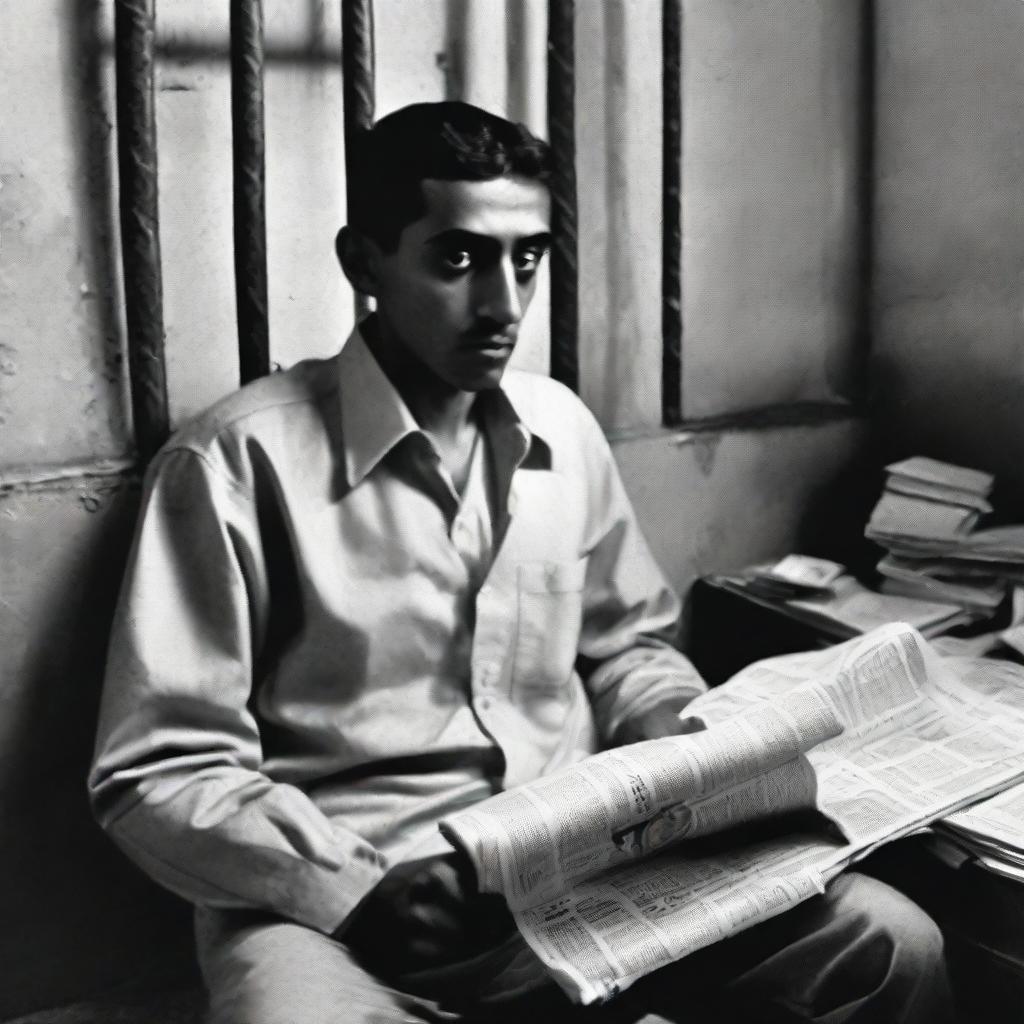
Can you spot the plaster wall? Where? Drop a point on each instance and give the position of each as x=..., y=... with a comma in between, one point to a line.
x=77, y=916
x=771, y=211
x=60, y=323
x=948, y=344
x=726, y=499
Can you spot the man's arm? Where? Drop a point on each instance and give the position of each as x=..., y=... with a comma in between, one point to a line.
x=637, y=680
x=176, y=779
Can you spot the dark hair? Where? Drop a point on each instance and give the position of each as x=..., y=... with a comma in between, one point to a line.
x=449, y=141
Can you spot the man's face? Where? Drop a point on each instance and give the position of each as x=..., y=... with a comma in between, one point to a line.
x=454, y=291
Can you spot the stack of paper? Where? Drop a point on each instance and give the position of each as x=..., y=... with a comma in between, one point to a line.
x=926, y=518
x=823, y=595
x=925, y=499
x=998, y=551
x=992, y=831
x=857, y=609
x=905, y=576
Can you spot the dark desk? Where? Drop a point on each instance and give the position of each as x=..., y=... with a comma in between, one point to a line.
x=729, y=631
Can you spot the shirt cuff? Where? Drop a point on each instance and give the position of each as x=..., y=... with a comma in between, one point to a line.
x=667, y=676
x=663, y=692
x=357, y=877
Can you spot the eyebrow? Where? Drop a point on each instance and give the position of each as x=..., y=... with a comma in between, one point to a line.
x=459, y=235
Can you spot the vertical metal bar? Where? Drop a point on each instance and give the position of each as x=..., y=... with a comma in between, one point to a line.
x=134, y=27
x=564, y=246
x=358, y=82
x=865, y=199
x=672, y=214
x=248, y=152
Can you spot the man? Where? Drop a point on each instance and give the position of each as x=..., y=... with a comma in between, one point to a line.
x=376, y=588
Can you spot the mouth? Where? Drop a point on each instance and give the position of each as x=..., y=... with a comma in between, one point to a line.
x=496, y=344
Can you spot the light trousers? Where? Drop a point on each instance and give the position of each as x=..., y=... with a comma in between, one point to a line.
x=860, y=954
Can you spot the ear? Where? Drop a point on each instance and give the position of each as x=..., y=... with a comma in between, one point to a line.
x=358, y=258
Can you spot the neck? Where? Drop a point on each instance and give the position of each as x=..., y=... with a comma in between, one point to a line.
x=437, y=407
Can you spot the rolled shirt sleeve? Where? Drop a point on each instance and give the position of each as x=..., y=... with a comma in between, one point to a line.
x=176, y=778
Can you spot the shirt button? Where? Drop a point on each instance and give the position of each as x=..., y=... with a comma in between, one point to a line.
x=485, y=704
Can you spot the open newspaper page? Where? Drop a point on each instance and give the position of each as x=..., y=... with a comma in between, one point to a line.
x=993, y=829
x=905, y=738
x=611, y=930
x=923, y=736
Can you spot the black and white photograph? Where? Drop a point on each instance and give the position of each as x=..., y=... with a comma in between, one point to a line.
x=512, y=511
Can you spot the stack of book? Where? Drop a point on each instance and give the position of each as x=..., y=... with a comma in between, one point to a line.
x=941, y=580
x=926, y=518
x=928, y=499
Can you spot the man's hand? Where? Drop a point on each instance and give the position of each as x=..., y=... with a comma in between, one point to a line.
x=661, y=720
x=425, y=913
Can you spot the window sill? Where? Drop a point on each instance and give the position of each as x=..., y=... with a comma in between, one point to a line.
x=769, y=417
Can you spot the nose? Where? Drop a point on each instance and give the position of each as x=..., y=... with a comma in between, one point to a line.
x=498, y=297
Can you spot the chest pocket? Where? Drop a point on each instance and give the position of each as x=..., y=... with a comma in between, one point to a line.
x=550, y=610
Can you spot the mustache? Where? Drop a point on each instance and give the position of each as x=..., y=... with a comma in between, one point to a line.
x=491, y=330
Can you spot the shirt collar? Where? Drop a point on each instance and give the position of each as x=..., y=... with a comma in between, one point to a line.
x=373, y=416
x=375, y=419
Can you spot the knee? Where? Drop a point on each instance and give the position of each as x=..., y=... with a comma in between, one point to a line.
x=890, y=920
x=894, y=953
x=868, y=953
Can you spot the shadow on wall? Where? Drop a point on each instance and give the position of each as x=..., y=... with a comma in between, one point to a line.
x=834, y=517
x=78, y=917
x=967, y=413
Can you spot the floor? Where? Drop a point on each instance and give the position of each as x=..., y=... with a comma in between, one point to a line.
x=173, y=1007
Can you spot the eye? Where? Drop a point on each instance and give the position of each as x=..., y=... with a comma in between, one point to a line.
x=528, y=260
x=457, y=259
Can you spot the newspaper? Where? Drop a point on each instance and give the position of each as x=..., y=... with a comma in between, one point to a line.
x=993, y=829
x=641, y=855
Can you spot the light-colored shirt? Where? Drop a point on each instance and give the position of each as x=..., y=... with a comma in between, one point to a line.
x=320, y=649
